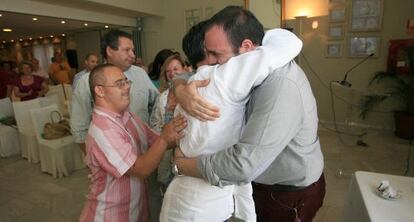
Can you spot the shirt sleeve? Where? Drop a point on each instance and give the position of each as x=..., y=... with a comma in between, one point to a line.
x=81, y=110
x=241, y=73
x=157, y=118
x=152, y=93
x=274, y=121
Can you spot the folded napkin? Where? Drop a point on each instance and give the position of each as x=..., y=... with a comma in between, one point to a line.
x=386, y=191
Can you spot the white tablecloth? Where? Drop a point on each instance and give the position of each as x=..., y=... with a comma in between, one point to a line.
x=9, y=141
x=364, y=204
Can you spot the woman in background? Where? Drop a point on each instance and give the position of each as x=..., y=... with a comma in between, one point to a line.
x=163, y=112
x=29, y=86
x=155, y=67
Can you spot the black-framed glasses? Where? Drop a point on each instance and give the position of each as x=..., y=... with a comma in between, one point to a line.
x=120, y=83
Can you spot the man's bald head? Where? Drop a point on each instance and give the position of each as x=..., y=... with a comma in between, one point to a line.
x=97, y=77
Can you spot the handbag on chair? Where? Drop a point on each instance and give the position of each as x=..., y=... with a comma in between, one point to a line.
x=56, y=129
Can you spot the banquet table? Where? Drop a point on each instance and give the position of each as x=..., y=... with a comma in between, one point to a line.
x=365, y=204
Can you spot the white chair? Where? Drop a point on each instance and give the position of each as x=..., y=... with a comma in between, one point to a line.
x=50, y=100
x=64, y=93
x=58, y=157
x=9, y=142
x=28, y=142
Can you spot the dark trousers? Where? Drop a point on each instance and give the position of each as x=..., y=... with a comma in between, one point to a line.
x=283, y=206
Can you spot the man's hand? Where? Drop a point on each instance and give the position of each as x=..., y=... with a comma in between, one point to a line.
x=173, y=131
x=193, y=103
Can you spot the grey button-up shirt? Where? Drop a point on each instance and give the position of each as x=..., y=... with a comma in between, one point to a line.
x=279, y=144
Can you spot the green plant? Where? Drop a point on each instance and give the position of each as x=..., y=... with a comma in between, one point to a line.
x=397, y=87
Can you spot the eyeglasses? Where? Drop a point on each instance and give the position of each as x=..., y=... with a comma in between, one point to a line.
x=119, y=83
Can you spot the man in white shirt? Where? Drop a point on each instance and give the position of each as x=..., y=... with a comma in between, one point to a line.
x=91, y=60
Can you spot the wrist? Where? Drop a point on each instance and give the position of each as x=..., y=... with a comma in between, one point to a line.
x=162, y=142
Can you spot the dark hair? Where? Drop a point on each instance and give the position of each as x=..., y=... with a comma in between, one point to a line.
x=155, y=68
x=89, y=55
x=96, y=77
x=193, y=43
x=239, y=24
x=22, y=63
x=110, y=39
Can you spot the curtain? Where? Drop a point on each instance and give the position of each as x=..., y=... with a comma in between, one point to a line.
x=43, y=53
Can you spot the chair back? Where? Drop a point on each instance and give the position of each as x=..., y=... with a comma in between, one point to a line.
x=41, y=116
x=63, y=92
x=22, y=114
x=52, y=99
x=6, y=108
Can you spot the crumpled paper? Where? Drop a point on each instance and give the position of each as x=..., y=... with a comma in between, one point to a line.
x=387, y=192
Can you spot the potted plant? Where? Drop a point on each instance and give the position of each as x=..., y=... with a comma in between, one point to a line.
x=397, y=87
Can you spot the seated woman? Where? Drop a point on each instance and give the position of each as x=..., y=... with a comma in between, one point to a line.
x=163, y=112
x=29, y=86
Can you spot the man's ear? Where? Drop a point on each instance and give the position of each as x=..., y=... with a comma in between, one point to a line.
x=109, y=51
x=99, y=92
x=246, y=46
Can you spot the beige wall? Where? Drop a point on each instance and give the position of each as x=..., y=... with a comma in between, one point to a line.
x=168, y=31
x=267, y=11
x=396, y=13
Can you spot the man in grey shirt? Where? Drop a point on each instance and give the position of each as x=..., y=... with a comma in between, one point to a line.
x=279, y=149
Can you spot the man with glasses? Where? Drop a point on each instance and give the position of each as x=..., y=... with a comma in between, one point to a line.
x=117, y=48
x=122, y=150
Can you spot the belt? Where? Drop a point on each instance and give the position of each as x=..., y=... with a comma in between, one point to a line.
x=278, y=187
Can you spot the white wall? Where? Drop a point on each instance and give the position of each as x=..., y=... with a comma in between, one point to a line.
x=168, y=31
x=86, y=42
x=395, y=16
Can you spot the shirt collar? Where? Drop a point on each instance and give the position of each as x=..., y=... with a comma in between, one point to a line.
x=123, y=117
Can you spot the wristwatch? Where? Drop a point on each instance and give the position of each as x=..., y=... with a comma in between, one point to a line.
x=174, y=169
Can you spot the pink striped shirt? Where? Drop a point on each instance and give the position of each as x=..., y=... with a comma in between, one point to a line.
x=113, y=144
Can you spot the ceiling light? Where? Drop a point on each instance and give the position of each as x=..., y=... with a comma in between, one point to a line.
x=30, y=38
x=1, y=15
x=63, y=34
x=4, y=41
x=7, y=30
x=63, y=22
x=51, y=36
x=86, y=24
x=40, y=37
x=20, y=40
x=106, y=26
x=34, y=19
x=12, y=40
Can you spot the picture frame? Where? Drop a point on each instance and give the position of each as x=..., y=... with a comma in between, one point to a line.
x=366, y=15
x=334, y=49
x=361, y=46
x=336, y=32
x=337, y=14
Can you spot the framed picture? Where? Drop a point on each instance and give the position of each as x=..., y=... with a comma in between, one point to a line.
x=337, y=15
x=334, y=49
x=336, y=32
x=366, y=15
x=361, y=46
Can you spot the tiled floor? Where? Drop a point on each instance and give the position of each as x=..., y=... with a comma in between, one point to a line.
x=26, y=194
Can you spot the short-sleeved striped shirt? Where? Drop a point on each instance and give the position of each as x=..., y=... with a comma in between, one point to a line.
x=113, y=144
